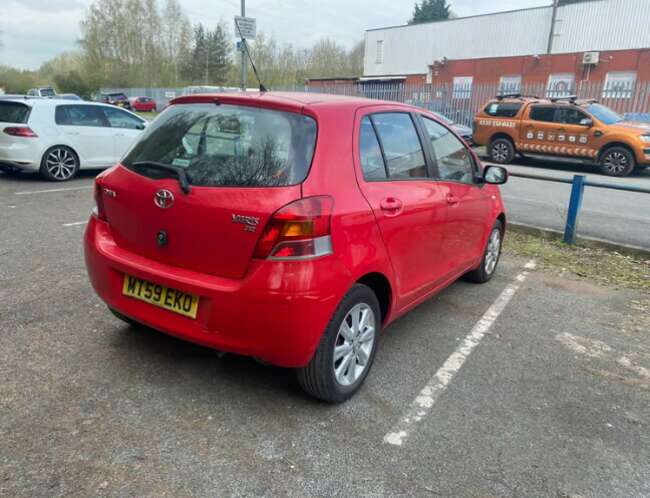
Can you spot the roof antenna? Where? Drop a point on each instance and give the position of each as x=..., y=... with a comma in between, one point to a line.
x=245, y=47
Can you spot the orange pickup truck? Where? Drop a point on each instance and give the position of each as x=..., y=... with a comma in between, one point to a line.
x=562, y=127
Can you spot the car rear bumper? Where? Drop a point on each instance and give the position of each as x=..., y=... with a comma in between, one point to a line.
x=277, y=313
x=19, y=156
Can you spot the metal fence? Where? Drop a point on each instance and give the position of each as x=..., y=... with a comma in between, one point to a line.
x=458, y=102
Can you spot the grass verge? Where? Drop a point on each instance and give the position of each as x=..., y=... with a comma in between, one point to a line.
x=603, y=266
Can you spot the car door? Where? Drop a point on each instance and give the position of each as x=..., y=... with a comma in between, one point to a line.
x=569, y=121
x=87, y=130
x=126, y=128
x=409, y=206
x=538, y=130
x=468, y=206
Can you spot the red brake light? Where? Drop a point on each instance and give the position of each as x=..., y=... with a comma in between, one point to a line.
x=98, y=210
x=299, y=230
x=20, y=131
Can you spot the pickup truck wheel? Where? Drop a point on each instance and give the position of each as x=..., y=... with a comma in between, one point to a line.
x=616, y=161
x=501, y=151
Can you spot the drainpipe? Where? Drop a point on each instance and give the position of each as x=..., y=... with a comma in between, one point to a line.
x=552, y=30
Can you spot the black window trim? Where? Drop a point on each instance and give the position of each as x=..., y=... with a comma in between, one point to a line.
x=416, y=125
x=475, y=169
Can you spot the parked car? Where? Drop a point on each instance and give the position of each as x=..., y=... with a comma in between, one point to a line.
x=44, y=91
x=568, y=128
x=68, y=96
x=117, y=99
x=291, y=227
x=143, y=104
x=59, y=137
x=464, y=132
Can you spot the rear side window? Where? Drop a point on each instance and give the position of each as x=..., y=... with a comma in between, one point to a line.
x=503, y=109
x=401, y=145
x=14, y=112
x=372, y=162
x=228, y=145
x=542, y=113
x=80, y=115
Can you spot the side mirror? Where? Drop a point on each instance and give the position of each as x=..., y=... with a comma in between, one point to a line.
x=496, y=175
x=586, y=122
x=141, y=126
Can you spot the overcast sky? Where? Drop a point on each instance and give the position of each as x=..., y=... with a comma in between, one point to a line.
x=34, y=31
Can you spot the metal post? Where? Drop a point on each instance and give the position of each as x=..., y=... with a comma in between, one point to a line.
x=551, y=33
x=577, y=190
x=243, y=54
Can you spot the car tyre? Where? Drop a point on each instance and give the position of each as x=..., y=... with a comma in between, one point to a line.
x=487, y=268
x=616, y=161
x=347, y=348
x=59, y=164
x=501, y=151
x=124, y=318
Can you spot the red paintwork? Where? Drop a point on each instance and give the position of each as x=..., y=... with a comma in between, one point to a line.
x=140, y=106
x=278, y=310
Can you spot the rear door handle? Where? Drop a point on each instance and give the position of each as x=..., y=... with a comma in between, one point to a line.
x=452, y=200
x=391, y=205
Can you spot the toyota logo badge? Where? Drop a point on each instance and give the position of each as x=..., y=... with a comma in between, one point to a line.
x=164, y=199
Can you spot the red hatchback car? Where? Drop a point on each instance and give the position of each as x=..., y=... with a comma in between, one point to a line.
x=291, y=227
x=143, y=104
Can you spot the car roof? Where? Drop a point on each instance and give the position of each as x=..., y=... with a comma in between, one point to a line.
x=43, y=102
x=291, y=100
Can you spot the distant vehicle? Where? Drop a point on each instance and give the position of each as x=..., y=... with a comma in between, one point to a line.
x=464, y=132
x=68, y=96
x=143, y=104
x=44, y=91
x=117, y=99
x=59, y=137
x=565, y=127
x=192, y=90
x=340, y=215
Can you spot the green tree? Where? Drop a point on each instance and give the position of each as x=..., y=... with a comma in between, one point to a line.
x=219, y=50
x=430, y=10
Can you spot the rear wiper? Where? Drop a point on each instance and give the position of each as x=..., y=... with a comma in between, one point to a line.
x=180, y=172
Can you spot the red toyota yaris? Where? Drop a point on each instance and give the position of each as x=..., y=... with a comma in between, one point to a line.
x=291, y=227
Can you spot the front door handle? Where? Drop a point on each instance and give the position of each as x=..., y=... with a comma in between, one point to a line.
x=391, y=205
x=452, y=200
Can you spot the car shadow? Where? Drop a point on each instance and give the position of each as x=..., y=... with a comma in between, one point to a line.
x=34, y=177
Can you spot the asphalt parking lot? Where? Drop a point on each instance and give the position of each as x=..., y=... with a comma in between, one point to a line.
x=530, y=386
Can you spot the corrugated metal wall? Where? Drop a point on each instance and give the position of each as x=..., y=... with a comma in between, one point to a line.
x=596, y=25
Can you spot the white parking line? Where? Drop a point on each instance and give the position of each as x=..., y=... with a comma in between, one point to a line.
x=422, y=404
x=75, y=224
x=47, y=191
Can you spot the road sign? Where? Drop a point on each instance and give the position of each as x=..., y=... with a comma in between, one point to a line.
x=247, y=27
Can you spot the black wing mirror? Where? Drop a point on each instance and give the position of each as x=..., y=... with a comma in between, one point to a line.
x=496, y=175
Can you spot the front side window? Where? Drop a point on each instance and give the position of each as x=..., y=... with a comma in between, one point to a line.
x=121, y=119
x=542, y=113
x=80, y=115
x=227, y=145
x=452, y=157
x=569, y=115
x=401, y=145
x=372, y=162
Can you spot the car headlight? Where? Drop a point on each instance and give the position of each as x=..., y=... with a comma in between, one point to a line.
x=645, y=138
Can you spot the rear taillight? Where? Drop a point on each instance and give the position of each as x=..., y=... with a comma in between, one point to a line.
x=98, y=210
x=20, y=131
x=300, y=230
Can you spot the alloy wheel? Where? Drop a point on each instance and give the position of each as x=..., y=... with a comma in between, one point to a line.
x=500, y=152
x=615, y=162
x=61, y=163
x=493, y=251
x=353, y=345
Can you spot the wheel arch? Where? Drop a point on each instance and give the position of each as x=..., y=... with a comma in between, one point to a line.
x=61, y=144
x=502, y=134
x=615, y=143
x=380, y=285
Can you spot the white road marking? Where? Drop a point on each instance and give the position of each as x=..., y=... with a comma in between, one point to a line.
x=424, y=401
x=47, y=191
x=76, y=223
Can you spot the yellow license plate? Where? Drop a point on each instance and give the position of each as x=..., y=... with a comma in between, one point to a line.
x=159, y=295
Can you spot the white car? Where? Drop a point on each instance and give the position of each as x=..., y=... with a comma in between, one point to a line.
x=59, y=137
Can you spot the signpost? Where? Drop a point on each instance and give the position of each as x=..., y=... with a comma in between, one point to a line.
x=245, y=28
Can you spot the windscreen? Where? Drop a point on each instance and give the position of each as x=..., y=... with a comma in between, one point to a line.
x=227, y=145
x=47, y=92
x=604, y=114
x=13, y=112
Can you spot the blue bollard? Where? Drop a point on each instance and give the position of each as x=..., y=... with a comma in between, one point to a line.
x=577, y=190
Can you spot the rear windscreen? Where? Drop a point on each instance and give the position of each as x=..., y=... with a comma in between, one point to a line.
x=228, y=145
x=13, y=112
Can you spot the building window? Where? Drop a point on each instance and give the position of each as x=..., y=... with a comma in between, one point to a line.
x=619, y=85
x=462, y=87
x=510, y=84
x=380, y=51
x=560, y=85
